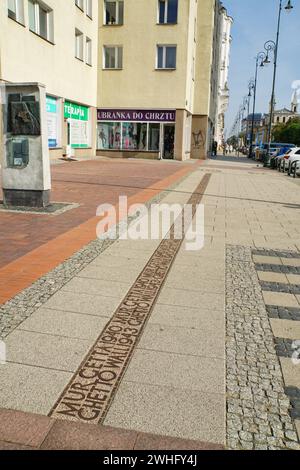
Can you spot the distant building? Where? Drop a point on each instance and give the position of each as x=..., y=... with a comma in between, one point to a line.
x=223, y=91
x=280, y=116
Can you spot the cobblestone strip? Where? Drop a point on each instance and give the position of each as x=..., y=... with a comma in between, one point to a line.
x=89, y=394
x=280, y=287
x=284, y=313
x=284, y=347
x=24, y=304
x=280, y=254
x=278, y=268
x=257, y=407
x=294, y=394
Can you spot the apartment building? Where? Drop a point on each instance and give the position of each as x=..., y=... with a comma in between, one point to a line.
x=54, y=42
x=158, y=77
x=124, y=78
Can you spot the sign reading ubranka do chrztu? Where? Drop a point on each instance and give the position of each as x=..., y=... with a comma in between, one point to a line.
x=139, y=115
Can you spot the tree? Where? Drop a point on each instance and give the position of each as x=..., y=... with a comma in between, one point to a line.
x=288, y=133
x=233, y=141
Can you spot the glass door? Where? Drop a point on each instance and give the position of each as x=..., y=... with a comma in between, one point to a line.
x=168, y=141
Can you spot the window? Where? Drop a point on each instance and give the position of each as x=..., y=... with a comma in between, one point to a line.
x=130, y=136
x=88, y=51
x=78, y=44
x=167, y=11
x=79, y=4
x=89, y=8
x=134, y=136
x=113, y=12
x=15, y=10
x=154, y=137
x=41, y=20
x=166, y=57
x=109, y=136
x=113, y=57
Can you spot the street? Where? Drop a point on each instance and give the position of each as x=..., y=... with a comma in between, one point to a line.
x=203, y=358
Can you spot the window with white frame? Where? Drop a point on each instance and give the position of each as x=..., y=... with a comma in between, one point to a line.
x=89, y=8
x=113, y=57
x=88, y=51
x=79, y=4
x=41, y=19
x=166, y=57
x=15, y=10
x=167, y=11
x=113, y=12
x=78, y=44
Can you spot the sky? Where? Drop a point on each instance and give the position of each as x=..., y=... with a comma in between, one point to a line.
x=255, y=22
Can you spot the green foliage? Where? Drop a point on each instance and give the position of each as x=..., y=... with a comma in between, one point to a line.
x=288, y=133
x=232, y=141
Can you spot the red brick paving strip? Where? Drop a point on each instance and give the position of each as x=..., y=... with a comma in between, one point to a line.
x=21, y=273
x=25, y=431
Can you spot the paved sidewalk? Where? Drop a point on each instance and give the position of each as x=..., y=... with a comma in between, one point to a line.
x=146, y=337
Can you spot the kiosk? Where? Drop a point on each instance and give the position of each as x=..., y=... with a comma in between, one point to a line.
x=26, y=179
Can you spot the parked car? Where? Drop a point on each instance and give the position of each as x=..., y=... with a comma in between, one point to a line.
x=281, y=161
x=275, y=147
x=293, y=156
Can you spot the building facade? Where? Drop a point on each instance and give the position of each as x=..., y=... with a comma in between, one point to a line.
x=158, y=77
x=123, y=77
x=223, y=98
x=55, y=43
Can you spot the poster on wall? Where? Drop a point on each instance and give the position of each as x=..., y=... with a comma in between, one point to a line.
x=79, y=124
x=52, y=121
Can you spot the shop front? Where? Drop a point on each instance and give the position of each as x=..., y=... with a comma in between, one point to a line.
x=78, y=122
x=144, y=133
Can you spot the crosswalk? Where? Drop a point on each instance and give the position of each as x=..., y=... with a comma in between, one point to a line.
x=279, y=277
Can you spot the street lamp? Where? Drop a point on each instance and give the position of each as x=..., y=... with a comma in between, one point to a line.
x=245, y=106
x=251, y=85
x=260, y=59
x=288, y=8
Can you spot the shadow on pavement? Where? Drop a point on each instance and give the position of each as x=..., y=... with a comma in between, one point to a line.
x=232, y=158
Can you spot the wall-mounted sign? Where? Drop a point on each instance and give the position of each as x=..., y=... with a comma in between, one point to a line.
x=79, y=124
x=137, y=115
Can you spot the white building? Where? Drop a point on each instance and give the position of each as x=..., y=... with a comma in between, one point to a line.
x=223, y=98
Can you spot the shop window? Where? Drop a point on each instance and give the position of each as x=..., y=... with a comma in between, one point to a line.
x=113, y=12
x=134, y=136
x=109, y=136
x=53, y=113
x=166, y=57
x=15, y=10
x=78, y=44
x=167, y=11
x=113, y=57
x=41, y=20
x=154, y=137
x=88, y=52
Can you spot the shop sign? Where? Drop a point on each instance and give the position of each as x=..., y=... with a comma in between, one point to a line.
x=137, y=115
x=76, y=111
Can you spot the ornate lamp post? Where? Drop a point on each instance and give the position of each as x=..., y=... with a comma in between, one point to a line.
x=274, y=47
x=260, y=61
x=250, y=88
